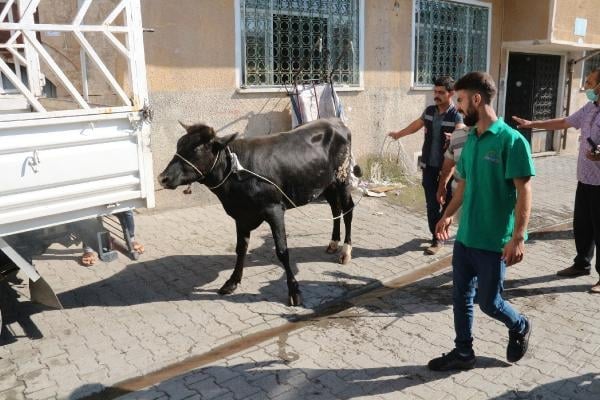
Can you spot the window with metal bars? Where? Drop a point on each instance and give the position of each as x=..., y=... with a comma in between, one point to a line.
x=451, y=38
x=288, y=41
x=589, y=65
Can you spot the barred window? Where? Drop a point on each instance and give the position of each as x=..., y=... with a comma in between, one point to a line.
x=589, y=65
x=451, y=38
x=299, y=40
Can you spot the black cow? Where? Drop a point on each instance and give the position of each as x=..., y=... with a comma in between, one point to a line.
x=306, y=162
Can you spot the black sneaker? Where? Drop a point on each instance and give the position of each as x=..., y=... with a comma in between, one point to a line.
x=451, y=361
x=518, y=343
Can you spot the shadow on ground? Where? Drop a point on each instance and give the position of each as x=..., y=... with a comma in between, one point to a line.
x=272, y=378
x=432, y=294
x=183, y=277
x=551, y=235
x=14, y=311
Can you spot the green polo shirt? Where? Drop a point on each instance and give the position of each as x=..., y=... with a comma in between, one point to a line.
x=488, y=164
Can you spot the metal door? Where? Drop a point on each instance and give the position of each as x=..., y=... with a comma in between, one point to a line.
x=532, y=93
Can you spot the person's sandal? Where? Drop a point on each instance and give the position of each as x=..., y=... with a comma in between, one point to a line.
x=88, y=259
x=138, y=247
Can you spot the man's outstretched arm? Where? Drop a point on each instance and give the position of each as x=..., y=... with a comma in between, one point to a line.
x=409, y=130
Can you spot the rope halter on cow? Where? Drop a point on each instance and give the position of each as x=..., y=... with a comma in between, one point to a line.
x=203, y=176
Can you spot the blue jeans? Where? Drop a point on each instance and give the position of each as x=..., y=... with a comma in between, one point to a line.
x=487, y=268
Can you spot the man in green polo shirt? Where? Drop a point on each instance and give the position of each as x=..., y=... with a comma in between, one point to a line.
x=495, y=193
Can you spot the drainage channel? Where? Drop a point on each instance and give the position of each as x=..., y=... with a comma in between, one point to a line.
x=338, y=308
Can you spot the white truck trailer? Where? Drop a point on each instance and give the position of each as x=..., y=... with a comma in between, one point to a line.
x=74, y=121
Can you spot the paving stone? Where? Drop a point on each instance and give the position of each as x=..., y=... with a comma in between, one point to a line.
x=125, y=318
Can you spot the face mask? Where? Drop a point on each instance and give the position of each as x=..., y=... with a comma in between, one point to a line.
x=591, y=95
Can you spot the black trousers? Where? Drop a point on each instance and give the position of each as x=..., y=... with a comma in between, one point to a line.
x=431, y=178
x=586, y=225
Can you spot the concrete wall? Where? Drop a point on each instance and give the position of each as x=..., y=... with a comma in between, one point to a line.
x=564, y=21
x=526, y=20
x=191, y=73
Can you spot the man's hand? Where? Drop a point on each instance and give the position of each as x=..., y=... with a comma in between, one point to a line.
x=442, y=229
x=522, y=123
x=513, y=251
x=441, y=193
x=592, y=156
x=395, y=135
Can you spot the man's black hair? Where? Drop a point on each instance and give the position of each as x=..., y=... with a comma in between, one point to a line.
x=445, y=81
x=479, y=82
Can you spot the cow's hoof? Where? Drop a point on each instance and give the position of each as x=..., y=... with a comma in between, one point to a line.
x=228, y=288
x=333, y=247
x=346, y=255
x=295, y=300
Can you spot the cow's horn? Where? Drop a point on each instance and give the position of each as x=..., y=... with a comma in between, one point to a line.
x=186, y=127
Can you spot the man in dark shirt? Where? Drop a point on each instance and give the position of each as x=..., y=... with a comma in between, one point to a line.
x=439, y=121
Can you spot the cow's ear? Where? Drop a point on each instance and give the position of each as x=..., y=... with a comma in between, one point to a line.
x=222, y=142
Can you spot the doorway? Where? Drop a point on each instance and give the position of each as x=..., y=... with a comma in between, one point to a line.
x=532, y=93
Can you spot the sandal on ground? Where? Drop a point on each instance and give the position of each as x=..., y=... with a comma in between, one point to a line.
x=89, y=258
x=138, y=247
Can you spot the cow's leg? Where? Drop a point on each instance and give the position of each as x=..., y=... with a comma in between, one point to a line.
x=275, y=219
x=331, y=194
x=347, y=208
x=243, y=237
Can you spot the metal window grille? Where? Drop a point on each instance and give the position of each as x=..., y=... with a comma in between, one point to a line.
x=450, y=39
x=589, y=65
x=288, y=40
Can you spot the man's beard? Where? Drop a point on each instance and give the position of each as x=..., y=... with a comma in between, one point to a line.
x=471, y=117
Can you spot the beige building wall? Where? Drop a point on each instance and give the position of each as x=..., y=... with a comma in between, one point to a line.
x=192, y=77
x=526, y=20
x=564, y=21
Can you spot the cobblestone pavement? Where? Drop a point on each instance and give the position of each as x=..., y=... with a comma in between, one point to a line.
x=125, y=319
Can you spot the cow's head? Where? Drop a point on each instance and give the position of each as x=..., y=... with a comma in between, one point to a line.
x=195, y=157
